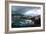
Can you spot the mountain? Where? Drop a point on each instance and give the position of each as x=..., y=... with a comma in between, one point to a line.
x=17, y=15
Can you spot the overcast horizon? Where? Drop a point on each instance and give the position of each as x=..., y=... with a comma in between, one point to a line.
x=27, y=11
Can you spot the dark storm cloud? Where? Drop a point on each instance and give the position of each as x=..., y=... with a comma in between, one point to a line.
x=23, y=10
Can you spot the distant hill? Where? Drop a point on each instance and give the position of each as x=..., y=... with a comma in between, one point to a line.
x=17, y=15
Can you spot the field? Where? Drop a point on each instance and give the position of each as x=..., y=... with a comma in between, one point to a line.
x=25, y=21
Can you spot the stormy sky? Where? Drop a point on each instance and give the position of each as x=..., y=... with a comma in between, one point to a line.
x=25, y=10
